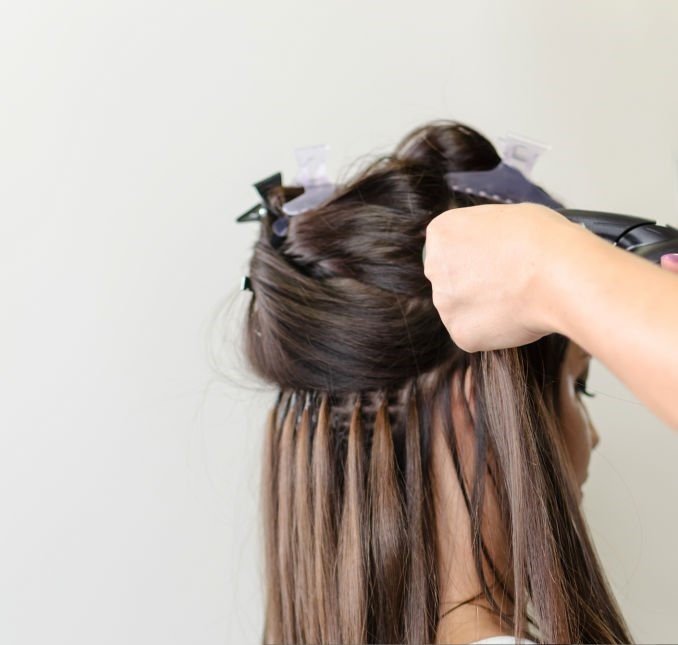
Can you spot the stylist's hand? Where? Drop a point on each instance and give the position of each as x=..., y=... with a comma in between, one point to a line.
x=489, y=266
x=484, y=264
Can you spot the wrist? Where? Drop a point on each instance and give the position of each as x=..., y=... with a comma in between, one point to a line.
x=565, y=266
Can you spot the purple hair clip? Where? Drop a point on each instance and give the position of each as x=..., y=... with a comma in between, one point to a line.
x=312, y=175
x=502, y=183
x=508, y=181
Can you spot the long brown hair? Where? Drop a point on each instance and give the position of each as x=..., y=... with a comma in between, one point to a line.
x=342, y=322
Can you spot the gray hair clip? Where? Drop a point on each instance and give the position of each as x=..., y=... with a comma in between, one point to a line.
x=508, y=181
x=502, y=183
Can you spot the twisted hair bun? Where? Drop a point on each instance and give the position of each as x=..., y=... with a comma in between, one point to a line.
x=447, y=146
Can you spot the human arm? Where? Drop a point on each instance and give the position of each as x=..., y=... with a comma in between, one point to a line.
x=623, y=310
x=506, y=275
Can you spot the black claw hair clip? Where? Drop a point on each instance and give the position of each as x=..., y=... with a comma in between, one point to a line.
x=259, y=211
x=313, y=182
x=246, y=284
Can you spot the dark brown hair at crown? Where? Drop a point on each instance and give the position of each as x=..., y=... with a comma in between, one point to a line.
x=342, y=322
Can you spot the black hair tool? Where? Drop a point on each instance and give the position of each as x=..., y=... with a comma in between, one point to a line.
x=643, y=237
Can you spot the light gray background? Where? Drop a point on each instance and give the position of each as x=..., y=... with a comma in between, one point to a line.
x=131, y=133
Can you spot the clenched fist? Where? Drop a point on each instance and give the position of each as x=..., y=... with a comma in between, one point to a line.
x=486, y=264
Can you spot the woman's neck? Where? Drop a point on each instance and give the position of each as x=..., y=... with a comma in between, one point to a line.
x=470, y=623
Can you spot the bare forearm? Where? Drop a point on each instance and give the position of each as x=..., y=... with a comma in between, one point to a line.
x=623, y=310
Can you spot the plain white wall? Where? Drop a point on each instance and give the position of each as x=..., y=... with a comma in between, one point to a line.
x=131, y=134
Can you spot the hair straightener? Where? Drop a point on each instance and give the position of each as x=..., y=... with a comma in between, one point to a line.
x=641, y=236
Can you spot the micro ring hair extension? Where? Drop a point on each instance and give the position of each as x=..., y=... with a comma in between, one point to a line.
x=420, y=605
x=370, y=394
x=351, y=560
x=325, y=528
x=269, y=481
x=303, y=527
x=288, y=575
x=387, y=530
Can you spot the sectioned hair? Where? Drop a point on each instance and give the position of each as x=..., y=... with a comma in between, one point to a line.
x=342, y=323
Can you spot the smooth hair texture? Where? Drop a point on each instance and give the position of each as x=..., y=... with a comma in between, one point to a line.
x=342, y=322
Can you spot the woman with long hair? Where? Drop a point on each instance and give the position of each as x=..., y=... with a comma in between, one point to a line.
x=412, y=492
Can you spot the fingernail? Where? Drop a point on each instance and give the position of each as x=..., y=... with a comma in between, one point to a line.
x=670, y=257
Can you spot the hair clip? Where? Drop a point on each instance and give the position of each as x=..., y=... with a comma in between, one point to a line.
x=502, y=183
x=520, y=152
x=508, y=181
x=246, y=284
x=258, y=212
x=312, y=175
